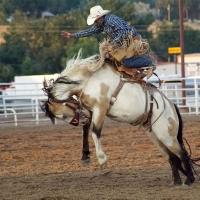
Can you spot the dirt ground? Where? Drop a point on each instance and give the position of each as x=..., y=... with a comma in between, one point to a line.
x=43, y=163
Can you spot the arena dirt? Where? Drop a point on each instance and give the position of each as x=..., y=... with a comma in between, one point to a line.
x=43, y=163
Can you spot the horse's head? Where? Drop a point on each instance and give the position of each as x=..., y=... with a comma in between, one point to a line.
x=66, y=111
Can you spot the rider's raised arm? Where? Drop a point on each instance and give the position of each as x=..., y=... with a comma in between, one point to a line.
x=84, y=33
x=88, y=32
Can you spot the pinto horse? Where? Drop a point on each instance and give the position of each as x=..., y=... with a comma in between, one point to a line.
x=104, y=92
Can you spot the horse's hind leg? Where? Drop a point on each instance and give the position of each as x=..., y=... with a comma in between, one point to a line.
x=188, y=167
x=175, y=164
x=173, y=160
x=183, y=156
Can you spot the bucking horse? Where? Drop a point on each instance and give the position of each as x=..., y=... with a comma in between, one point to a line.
x=102, y=91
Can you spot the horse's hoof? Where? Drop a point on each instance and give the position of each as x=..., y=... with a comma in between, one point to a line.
x=103, y=166
x=85, y=162
x=187, y=183
x=177, y=183
x=192, y=179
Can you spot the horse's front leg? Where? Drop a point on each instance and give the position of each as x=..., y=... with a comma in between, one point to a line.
x=96, y=135
x=85, y=151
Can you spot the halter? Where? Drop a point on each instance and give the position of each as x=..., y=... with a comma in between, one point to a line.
x=78, y=112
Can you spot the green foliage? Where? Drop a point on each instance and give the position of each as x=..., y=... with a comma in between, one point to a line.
x=13, y=52
x=152, y=3
x=50, y=58
x=2, y=18
x=193, y=7
x=168, y=36
x=89, y=47
x=192, y=37
x=28, y=67
x=34, y=45
x=33, y=8
x=6, y=73
x=142, y=24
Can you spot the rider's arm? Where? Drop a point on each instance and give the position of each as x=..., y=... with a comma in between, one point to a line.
x=88, y=32
x=84, y=33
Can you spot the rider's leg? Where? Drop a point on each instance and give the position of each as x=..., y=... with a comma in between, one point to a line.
x=139, y=62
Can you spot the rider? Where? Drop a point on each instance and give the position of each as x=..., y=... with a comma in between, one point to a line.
x=118, y=32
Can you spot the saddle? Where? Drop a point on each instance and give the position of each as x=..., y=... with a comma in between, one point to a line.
x=130, y=73
x=136, y=73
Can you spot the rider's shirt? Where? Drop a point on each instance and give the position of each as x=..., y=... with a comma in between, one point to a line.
x=114, y=26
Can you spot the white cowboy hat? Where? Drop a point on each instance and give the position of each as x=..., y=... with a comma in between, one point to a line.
x=95, y=13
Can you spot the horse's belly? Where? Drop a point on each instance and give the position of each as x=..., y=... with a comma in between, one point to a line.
x=124, y=114
x=129, y=106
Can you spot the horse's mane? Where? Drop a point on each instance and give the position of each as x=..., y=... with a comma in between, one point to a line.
x=77, y=61
x=77, y=69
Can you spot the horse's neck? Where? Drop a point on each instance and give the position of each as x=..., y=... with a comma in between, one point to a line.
x=106, y=76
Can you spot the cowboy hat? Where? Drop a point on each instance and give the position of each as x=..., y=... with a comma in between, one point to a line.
x=95, y=13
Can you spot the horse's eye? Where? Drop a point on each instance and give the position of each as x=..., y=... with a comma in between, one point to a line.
x=64, y=116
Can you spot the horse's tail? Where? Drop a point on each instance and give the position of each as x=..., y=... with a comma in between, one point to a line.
x=180, y=127
x=180, y=138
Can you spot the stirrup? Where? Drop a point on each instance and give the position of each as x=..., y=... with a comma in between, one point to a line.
x=149, y=73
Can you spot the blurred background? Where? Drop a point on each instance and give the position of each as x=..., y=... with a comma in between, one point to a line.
x=30, y=31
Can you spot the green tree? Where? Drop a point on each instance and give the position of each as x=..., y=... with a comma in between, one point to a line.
x=39, y=40
x=193, y=8
x=2, y=15
x=2, y=18
x=33, y=8
x=192, y=38
x=167, y=36
x=50, y=59
x=152, y=3
x=89, y=47
x=162, y=6
x=28, y=67
x=6, y=73
x=13, y=52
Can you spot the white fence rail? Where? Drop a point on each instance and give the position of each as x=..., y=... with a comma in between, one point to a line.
x=172, y=88
x=21, y=103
